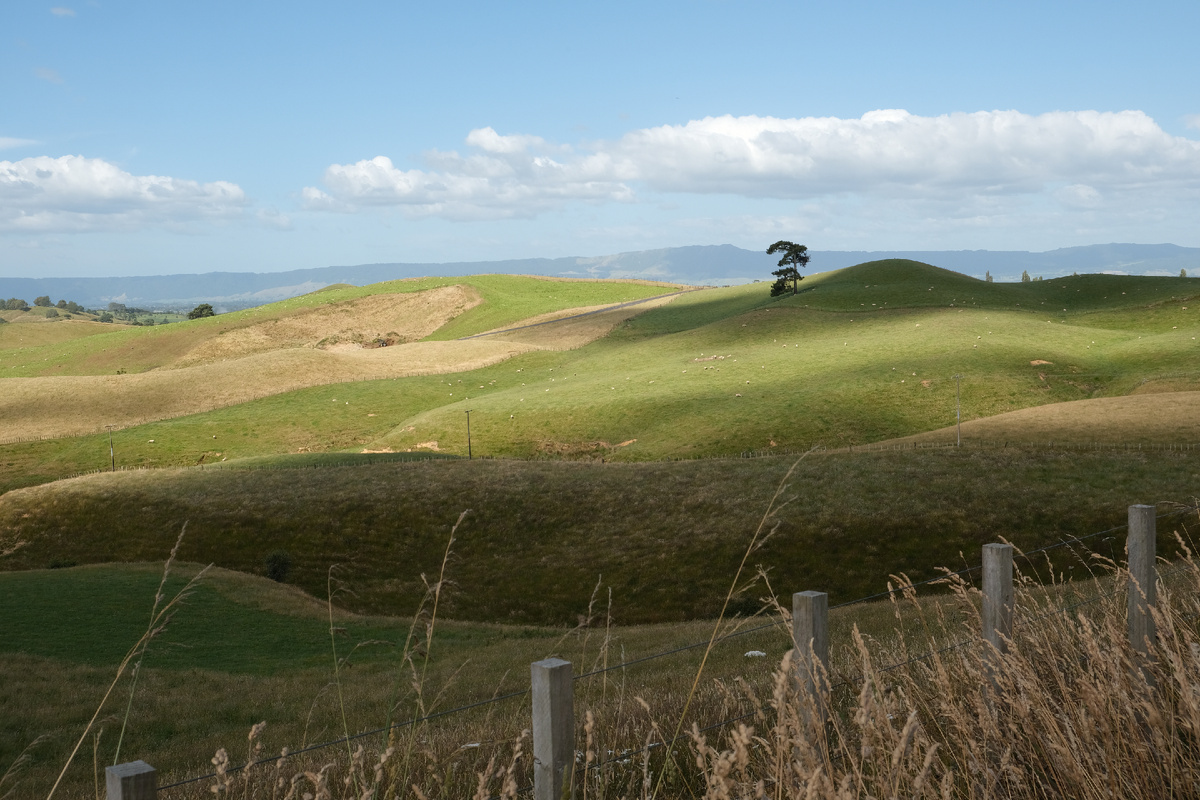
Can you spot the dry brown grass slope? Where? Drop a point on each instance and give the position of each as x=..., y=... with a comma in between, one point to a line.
x=348, y=325
x=33, y=407
x=1168, y=417
x=312, y=347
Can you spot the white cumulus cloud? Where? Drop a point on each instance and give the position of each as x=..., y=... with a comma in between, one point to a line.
x=74, y=193
x=1078, y=158
x=503, y=181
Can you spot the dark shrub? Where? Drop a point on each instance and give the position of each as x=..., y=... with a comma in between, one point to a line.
x=278, y=565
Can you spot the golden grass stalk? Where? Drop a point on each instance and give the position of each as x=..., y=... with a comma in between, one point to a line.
x=433, y=594
x=13, y=771
x=733, y=588
x=159, y=619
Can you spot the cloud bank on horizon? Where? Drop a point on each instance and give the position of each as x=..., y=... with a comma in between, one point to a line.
x=1082, y=159
x=996, y=163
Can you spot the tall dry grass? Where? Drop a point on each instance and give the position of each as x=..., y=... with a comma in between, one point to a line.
x=1070, y=710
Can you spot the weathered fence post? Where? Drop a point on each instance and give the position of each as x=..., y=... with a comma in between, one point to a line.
x=810, y=630
x=553, y=726
x=998, y=595
x=135, y=780
x=997, y=605
x=1143, y=590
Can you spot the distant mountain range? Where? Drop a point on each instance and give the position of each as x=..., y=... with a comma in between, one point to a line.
x=700, y=265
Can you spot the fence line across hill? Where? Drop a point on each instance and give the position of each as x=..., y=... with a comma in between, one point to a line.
x=127, y=780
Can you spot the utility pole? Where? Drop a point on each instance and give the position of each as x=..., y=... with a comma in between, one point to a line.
x=112, y=456
x=958, y=406
x=468, y=434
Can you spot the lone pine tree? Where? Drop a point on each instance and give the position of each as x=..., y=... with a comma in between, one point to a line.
x=795, y=257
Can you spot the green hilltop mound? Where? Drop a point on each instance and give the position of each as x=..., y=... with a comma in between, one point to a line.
x=896, y=282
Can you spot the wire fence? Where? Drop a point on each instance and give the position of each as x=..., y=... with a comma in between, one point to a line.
x=716, y=640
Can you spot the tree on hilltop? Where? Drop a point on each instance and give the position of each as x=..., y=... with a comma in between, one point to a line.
x=42, y=302
x=201, y=311
x=794, y=258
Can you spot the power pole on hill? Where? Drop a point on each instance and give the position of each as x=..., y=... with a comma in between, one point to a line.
x=112, y=456
x=958, y=406
x=468, y=434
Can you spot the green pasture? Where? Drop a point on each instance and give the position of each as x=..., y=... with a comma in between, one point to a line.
x=592, y=508
x=240, y=650
x=540, y=535
x=808, y=370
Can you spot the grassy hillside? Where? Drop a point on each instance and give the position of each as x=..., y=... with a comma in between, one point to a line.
x=746, y=372
x=860, y=355
x=339, y=336
x=742, y=370
x=1167, y=418
x=562, y=527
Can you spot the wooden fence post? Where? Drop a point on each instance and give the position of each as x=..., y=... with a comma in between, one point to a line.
x=998, y=595
x=810, y=630
x=135, y=780
x=997, y=604
x=1143, y=590
x=553, y=726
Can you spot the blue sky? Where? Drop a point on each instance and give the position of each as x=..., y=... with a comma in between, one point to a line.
x=159, y=137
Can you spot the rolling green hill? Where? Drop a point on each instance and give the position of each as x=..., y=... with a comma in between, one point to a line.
x=714, y=372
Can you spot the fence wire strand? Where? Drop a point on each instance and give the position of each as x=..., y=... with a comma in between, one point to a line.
x=352, y=737
x=1183, y=509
